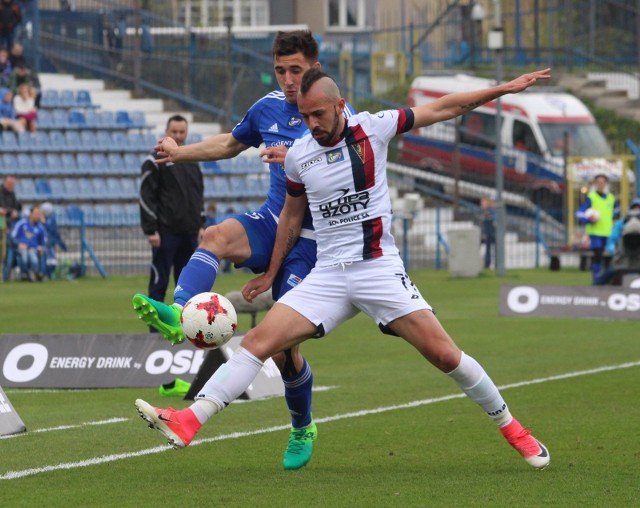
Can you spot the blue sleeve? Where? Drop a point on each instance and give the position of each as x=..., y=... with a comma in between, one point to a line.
x=580, y=212
x=247, y=131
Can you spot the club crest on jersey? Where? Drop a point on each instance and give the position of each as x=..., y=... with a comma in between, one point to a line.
x=335, y=156
x=295, y=121
x=359, y=148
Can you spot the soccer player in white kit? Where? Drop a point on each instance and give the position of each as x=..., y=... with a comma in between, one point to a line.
x=339, y=170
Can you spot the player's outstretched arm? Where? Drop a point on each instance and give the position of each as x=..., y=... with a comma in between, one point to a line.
x=289, y=226
x=220, y=146
x=456, y=104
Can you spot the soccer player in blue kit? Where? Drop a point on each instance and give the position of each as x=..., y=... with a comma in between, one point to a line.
x=247, y=239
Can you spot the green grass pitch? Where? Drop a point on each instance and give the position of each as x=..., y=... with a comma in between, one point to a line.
x=385, y=438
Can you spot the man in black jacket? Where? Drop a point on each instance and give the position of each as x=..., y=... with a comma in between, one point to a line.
x=171, y=211
x=9, y=212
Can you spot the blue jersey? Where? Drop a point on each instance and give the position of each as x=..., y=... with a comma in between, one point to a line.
x=33, y=235
x=273, y=121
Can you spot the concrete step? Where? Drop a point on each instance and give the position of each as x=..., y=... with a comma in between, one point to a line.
x=53, y=81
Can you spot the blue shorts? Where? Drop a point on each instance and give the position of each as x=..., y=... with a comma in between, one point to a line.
x=261, y=228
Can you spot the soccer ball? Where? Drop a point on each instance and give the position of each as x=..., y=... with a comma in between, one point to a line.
x=208, y=320
x=592, y=214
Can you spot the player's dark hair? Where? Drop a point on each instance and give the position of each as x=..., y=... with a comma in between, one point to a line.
x=176, y=118
x=296, y=41
x=310, y=77
x=601, y=175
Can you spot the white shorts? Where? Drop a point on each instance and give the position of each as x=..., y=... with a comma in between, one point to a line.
x=379, y=287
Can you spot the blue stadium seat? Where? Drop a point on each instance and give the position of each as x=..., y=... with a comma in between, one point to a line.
x=138, y=120
x=40, y=163
x=41, y=141
x=132, y=214
x=85, y=163
x=237, y=186
x=130, y=188
x=106, y=120
x=10, y=142
x=210, y=167
x=104, y=141
x=49, y=99
x=60, y=118
x=45, y=120
x=57, y=188
x=69, y=163
x=113, y=188
x=43, y=189
x=72, y=188
x=57, y=141
x=98, y=188
x=89, y=141
x=10, y=164
x=89, y=215
x=123, y=120
x=83, y=99
x=25, y=164
x=119, y=140
x=54, y=163
x=100, y=164
x=73, y=142
x=74, y=214
x=133, y=163
x=217, y=187
x=102, y=215
x=67, y=99
x=116, y=164
x=91, y=118
x=26, y=142
x=26, y=189
x=77, y=119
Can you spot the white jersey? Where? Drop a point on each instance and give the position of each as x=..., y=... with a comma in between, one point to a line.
x=346, y=186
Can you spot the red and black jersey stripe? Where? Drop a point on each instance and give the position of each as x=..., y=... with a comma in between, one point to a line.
x=363, y=170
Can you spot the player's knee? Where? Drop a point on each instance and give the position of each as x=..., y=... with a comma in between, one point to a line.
x=214, y=240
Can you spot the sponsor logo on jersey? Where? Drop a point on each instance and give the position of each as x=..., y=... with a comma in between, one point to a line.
x=274, y=127
x=335, y=156
x=346, y=204
x=294, y=121
x=310, y=163
x=293, y=280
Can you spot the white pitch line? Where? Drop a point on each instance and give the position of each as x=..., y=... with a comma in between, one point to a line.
x=68, y=427
x=12, y=475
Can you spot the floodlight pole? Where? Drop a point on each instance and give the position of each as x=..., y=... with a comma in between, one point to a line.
x=496, y=43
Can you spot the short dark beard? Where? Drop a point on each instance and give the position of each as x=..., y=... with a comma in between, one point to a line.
x=333, y=134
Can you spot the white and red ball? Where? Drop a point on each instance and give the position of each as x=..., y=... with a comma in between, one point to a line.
x=209, y=320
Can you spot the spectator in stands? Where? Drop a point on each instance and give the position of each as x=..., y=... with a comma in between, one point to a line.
x=5, y=67
x=30, y=237
x=597, y=214
x=53, y=239
x=24, y=74
x=623, y=246
x=10, y=18
x=171, y=211
x=24, y=104
x=8, y=113
x=9, y=212
x=16, y=55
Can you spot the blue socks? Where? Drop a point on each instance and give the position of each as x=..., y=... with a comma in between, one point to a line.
x=297, y=392
x=197, y=276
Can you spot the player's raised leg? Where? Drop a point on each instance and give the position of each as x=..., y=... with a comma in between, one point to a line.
x=423, y=330
x=227, y=240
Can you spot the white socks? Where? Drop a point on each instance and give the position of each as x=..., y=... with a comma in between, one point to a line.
x=227, y=384
x=478, y=386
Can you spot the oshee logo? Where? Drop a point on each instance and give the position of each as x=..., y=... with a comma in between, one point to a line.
x=345, y=205
x=523, y=299
x=27, y=362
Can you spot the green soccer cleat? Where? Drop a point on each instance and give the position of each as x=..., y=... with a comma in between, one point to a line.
x=176, y=388
x=300, y=446
x=164, y=318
